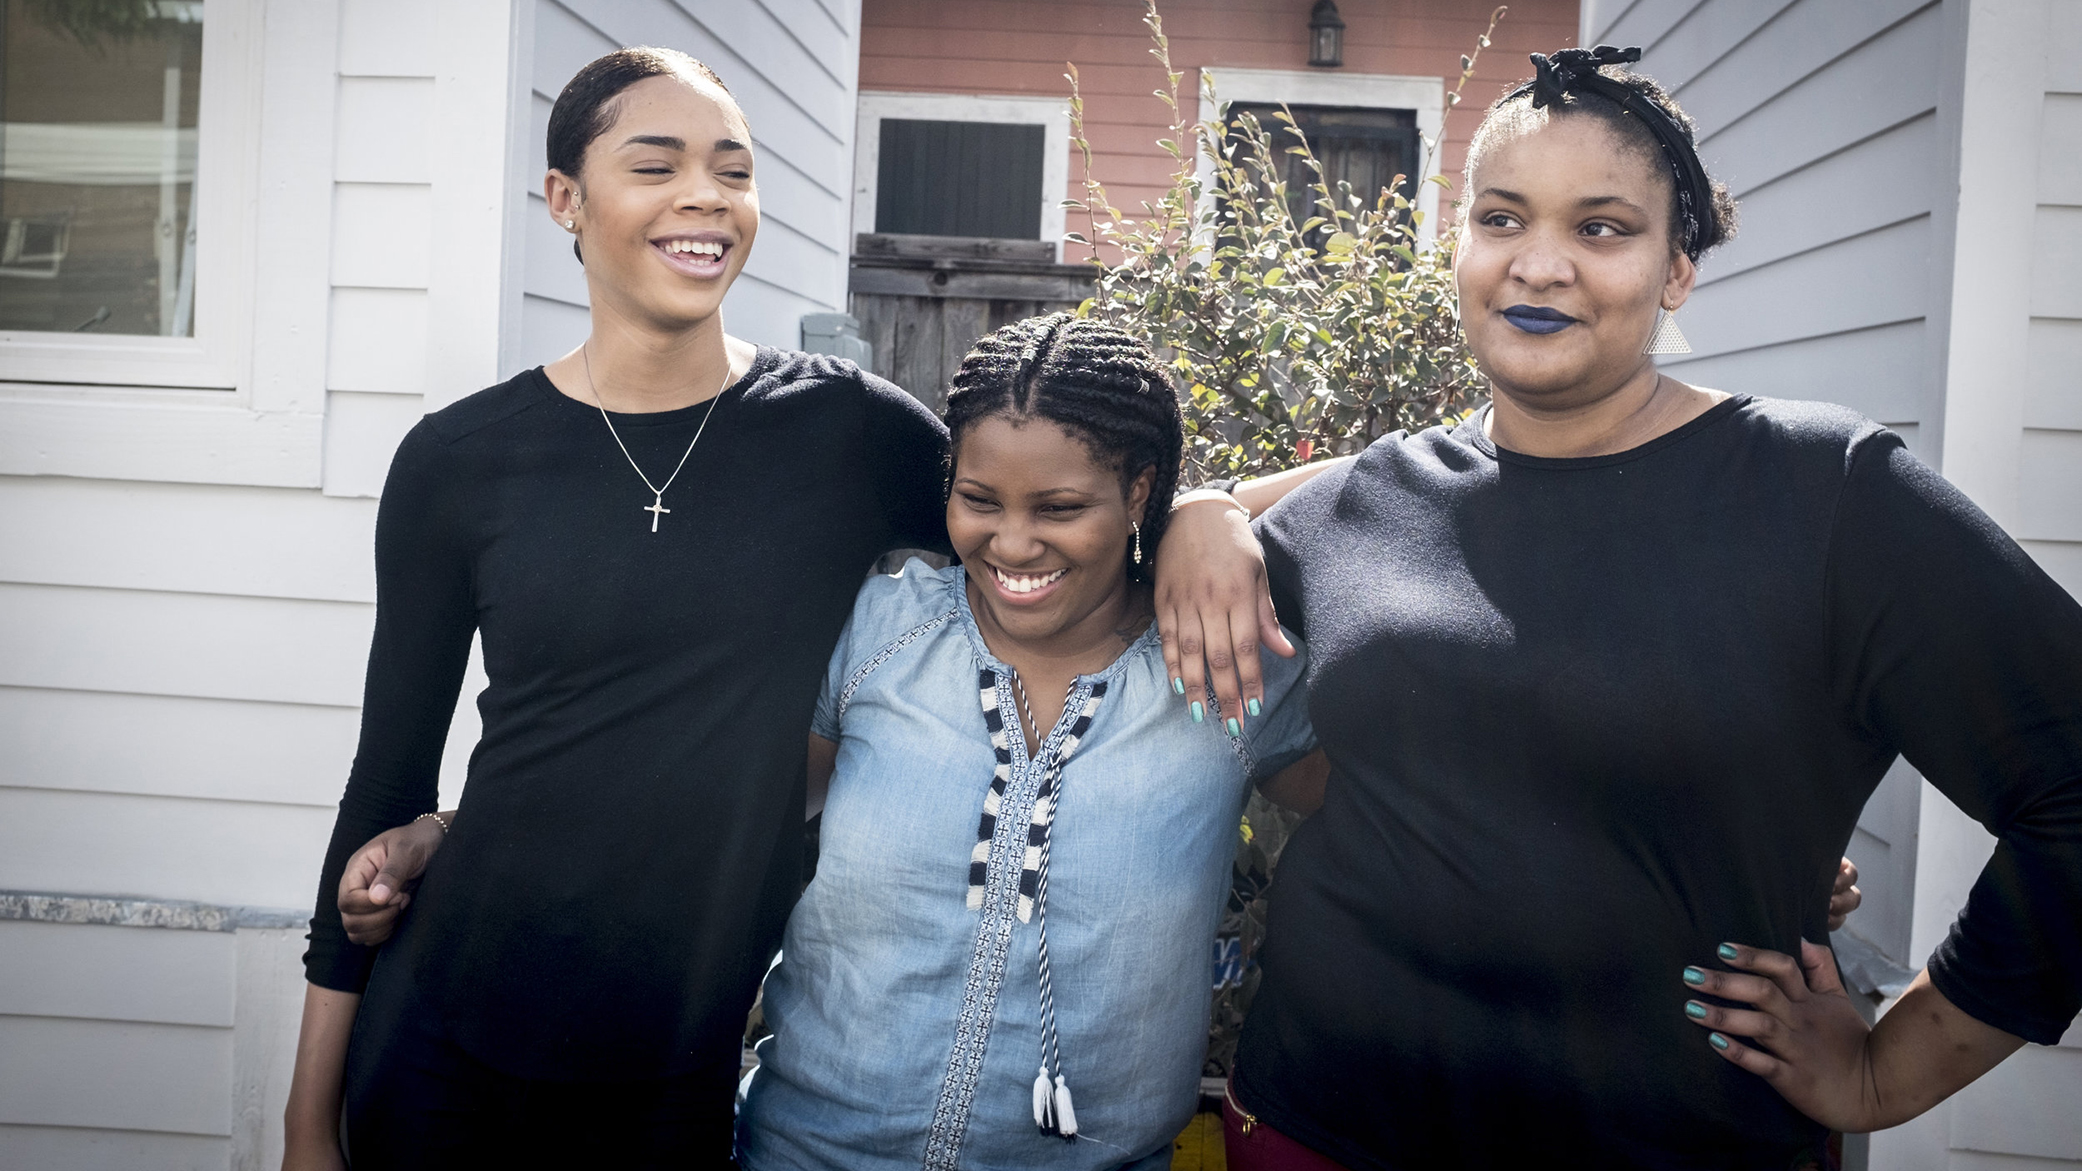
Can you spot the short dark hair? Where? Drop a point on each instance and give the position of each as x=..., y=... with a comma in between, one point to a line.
x=1515, y=113
x=587, y=107
x=1091, y=379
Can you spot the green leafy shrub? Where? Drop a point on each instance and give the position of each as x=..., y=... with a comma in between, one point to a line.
x=1293, y=340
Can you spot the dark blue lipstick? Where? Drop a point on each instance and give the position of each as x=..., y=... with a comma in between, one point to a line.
x=1538, y=318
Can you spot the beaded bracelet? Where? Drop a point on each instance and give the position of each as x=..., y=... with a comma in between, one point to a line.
x=437, y=821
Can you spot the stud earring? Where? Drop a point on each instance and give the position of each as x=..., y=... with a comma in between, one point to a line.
x=569, y=224
x=1667, y=338
x=1135, y=526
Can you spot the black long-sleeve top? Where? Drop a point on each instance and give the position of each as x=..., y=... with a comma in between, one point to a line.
x=1589, y=718
x=629, y=839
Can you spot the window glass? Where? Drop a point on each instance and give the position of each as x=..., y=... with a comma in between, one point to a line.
x=960, y=178
x=98, y=106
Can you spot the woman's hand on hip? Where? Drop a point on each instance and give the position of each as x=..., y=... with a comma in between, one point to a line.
x=1800, y=1032
x=1845, y=896
x=377, y=884
x=1214, y=609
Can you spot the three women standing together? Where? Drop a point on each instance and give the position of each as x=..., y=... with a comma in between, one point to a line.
x=1601, y=678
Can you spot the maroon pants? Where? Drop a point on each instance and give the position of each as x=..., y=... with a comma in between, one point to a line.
x=1254, y=1146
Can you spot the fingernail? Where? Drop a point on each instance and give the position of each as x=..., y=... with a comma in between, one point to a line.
x=1178, y=685
x=1718, y=1041
x=1694, y=976
x=378, y=893
x=1727, y=951
x=1251, y=706
x=1695, y=1010
x=1199, y=713
x=1235, y=729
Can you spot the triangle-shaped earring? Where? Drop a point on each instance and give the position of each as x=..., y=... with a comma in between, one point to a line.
x=1667, y=338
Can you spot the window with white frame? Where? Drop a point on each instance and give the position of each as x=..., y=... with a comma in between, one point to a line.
x=961, y=165
x=121, y=172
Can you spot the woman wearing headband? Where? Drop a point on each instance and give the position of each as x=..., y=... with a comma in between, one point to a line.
x=1605, y=674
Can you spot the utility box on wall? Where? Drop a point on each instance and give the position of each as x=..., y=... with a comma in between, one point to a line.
x=837, y=334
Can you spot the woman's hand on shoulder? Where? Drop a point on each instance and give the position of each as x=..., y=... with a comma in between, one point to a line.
x=1214, y=607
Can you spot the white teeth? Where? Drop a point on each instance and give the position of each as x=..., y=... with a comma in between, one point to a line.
x=1025, y=583
x=697, y=247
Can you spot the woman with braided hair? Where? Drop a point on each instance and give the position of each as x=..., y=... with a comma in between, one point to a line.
x=1002, y=959
x=1604, y=675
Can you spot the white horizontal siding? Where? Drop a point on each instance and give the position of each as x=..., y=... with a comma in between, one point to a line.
x=381, y=234
x=378, y=341
x=98, y=972
x=384, y=130
x=362, y=432
x=235, y=853
x=387, y=38
x=269, y=649
x=188, y=538
x=171, y=746
x=65, y=1148
x=115, y=1075
x=2062, y=561
x=1881, y=372
x=2054, y=364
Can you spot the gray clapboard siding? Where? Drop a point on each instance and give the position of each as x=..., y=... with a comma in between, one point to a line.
x=118, y=1075
x=174, y=746
x=92, y=971
x=1704, y=36
x=236, y=853
x=64, y=1148
x=1877, y=278
x=1799, y=40
x=1875, y=183
x=1879, y=371
x=2025, y=1106
x=270, y=649
x=188, y=538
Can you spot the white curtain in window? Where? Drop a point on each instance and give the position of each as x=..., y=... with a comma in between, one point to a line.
x=101, y=154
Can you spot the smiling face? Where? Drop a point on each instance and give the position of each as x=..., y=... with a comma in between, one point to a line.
x=665, y=206
x=1564, y=258
x=1043, y=529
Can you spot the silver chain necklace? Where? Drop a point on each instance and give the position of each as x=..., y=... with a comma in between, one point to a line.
x=656, y=507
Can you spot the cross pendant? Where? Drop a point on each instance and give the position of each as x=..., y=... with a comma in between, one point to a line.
x=657, y=509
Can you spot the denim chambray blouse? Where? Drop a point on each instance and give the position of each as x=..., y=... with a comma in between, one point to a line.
x=907, y=1023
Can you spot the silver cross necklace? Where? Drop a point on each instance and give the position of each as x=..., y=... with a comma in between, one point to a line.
x=656, y=507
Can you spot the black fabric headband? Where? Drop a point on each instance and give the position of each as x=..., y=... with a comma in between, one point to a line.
x=1577, y=69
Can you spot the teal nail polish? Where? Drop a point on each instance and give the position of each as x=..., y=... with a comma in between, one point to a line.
x=1178, y=685
x=1719, y=1042
x=1199, y=713
x=1252, y=706
x=1695, y=1010
x=1694, y=977
x=1727, y=952
x=1235, y=729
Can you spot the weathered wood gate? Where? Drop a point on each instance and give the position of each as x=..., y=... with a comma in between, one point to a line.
x=922, y=301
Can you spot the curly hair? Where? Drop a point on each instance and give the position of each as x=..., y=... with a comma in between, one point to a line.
x=1096, y=382
x=1514, y=115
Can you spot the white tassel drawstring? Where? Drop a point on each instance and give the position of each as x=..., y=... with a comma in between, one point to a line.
x=1065, y=1113
x=1043, y=1099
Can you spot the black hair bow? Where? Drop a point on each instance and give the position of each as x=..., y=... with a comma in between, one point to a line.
x=1554, y=76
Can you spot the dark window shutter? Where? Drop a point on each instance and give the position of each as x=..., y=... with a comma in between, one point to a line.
x=960, y=179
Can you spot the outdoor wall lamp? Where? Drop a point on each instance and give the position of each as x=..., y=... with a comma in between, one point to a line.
x=1326, y=35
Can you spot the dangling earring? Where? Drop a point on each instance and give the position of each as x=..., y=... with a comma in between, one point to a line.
x=1135, y=526
x=1667, y=338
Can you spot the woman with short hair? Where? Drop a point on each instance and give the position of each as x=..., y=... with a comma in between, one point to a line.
x=1605, y=674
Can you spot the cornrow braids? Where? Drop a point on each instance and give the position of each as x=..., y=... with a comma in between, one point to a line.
x=1093, y=380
